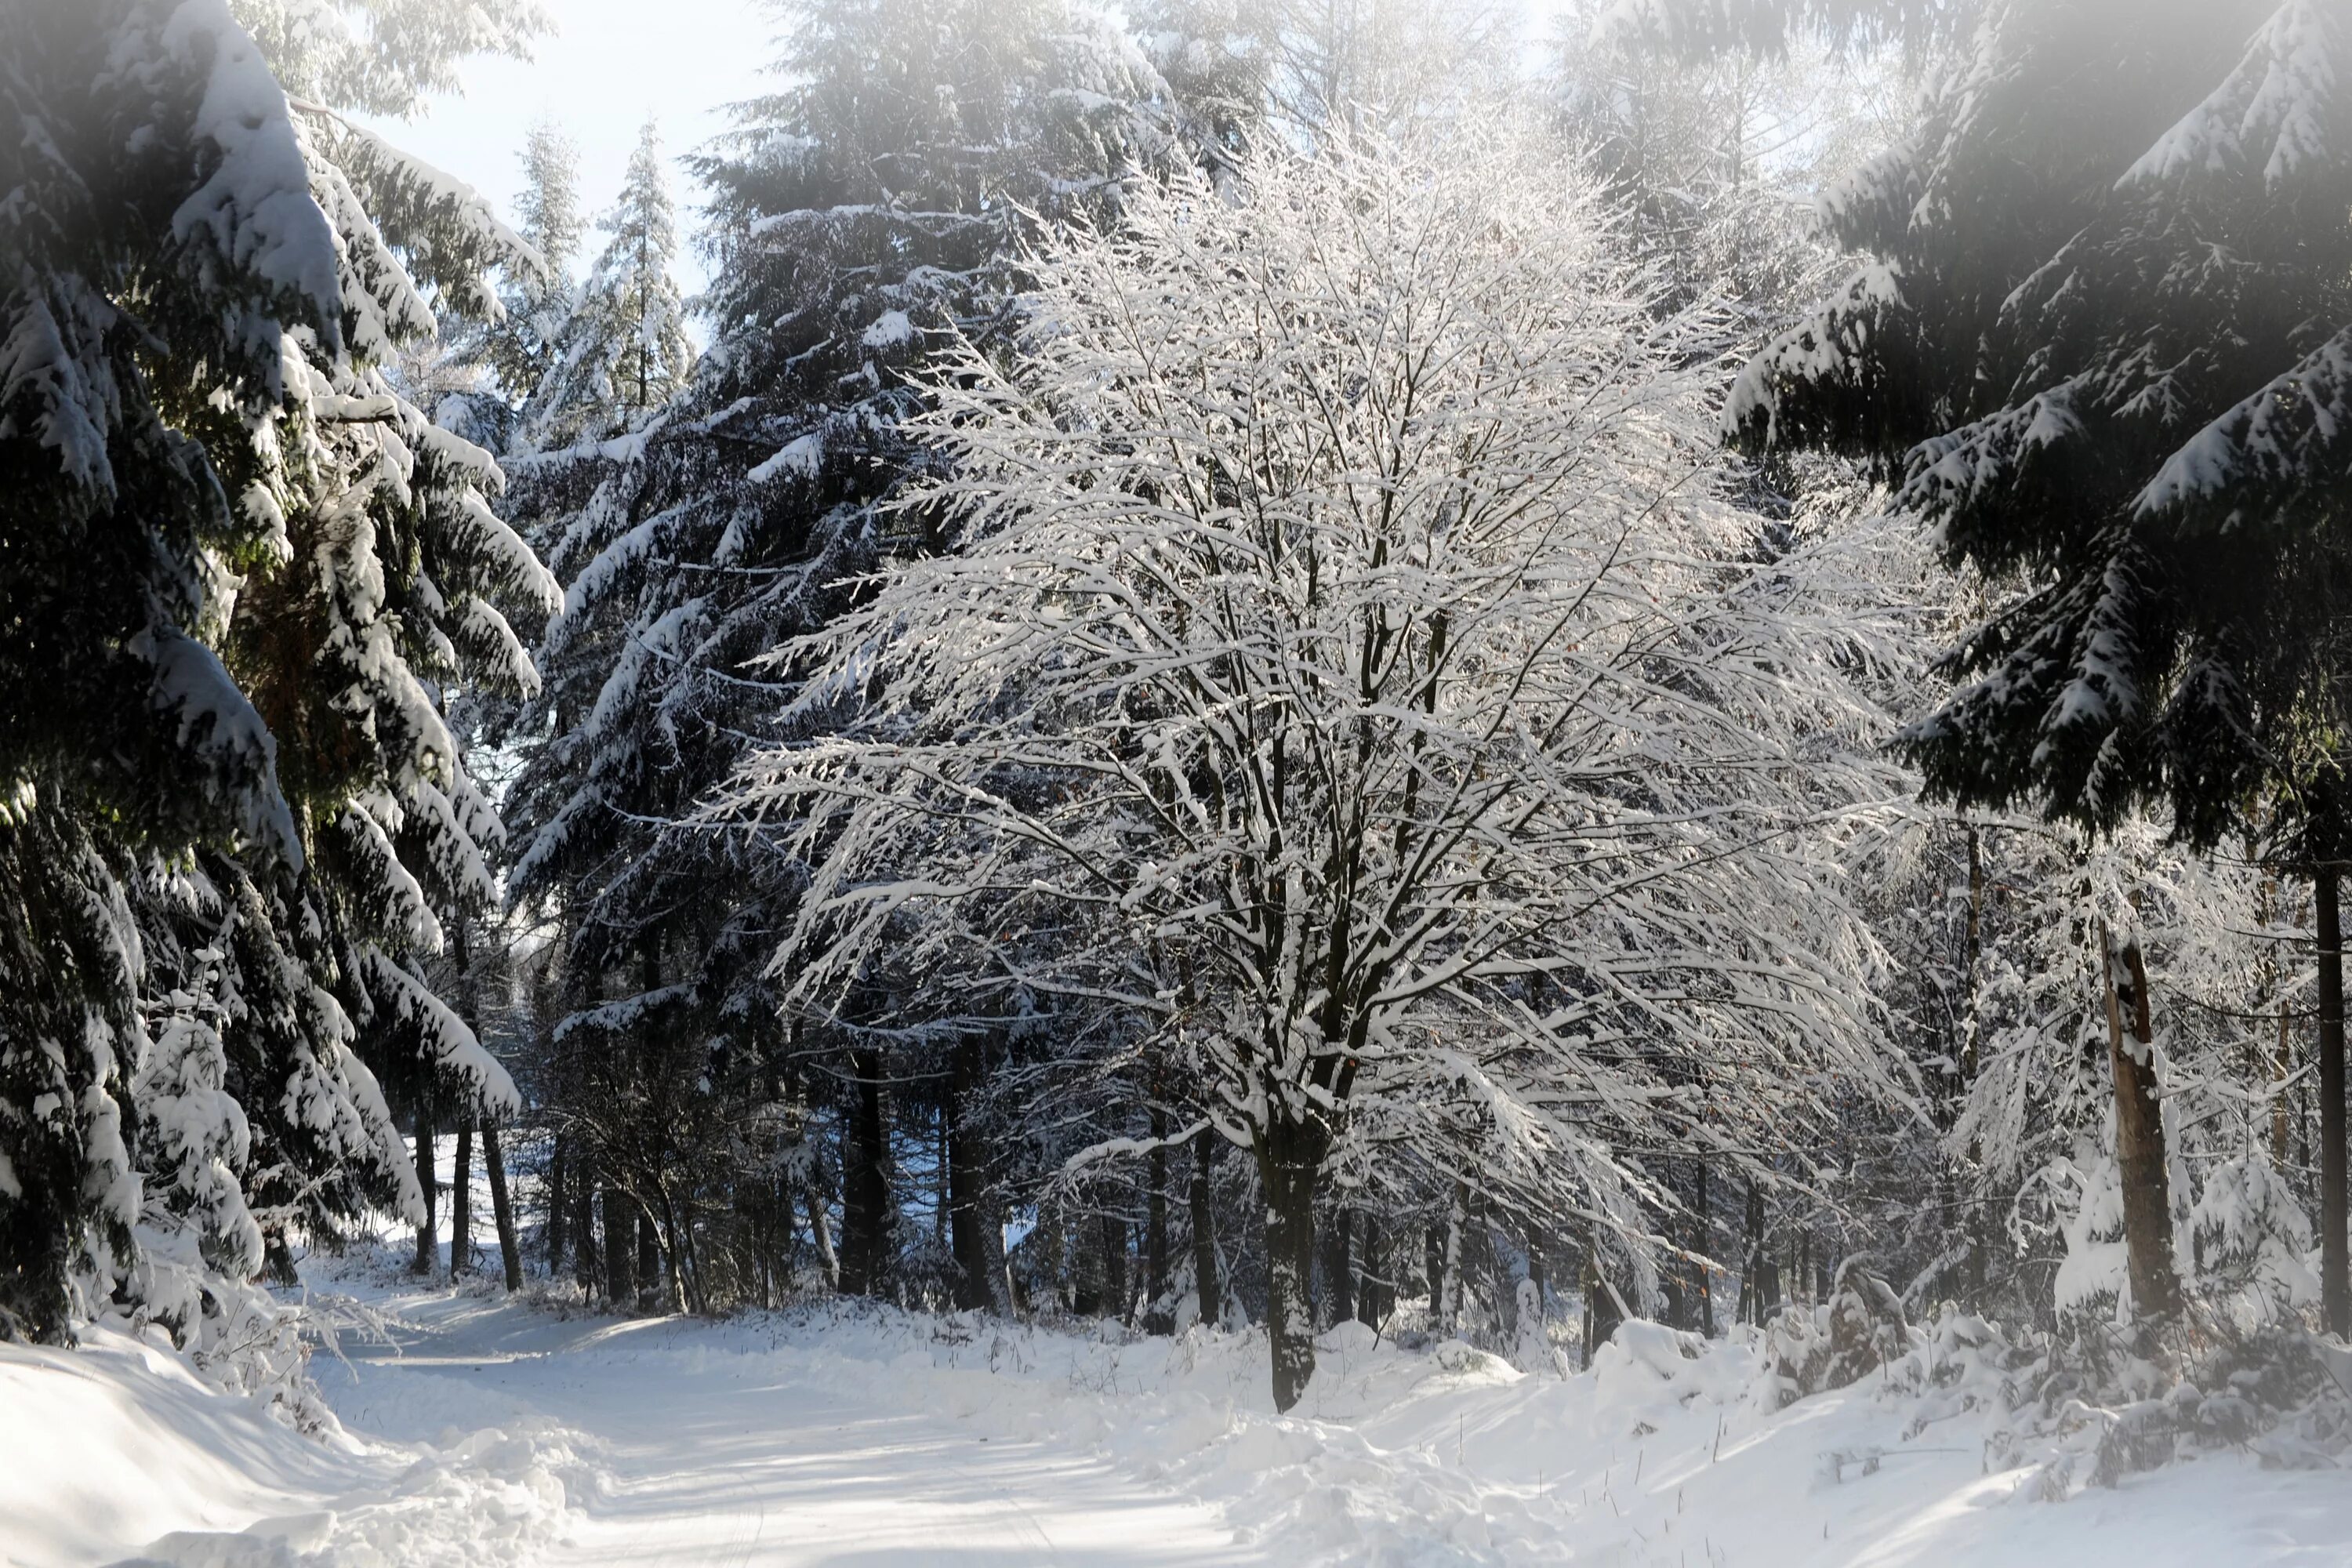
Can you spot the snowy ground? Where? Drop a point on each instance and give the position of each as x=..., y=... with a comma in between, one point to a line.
x=490, y=1433
x=493, y=1433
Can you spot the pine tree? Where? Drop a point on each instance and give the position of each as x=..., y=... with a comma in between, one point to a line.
x=856, y=216
x=2101, y=341
x=233, y=558
x=519, y=351
x=621, y=352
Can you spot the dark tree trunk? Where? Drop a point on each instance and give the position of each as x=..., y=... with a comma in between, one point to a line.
x=1290, y=1162
x=1703, y=1246
x=652, y=1294
x=620, y=1249
x=1973, y=1219
x=1204, y=1229
x=559, y=1207
x=584, y=1255
x=1433, y=1265
x=865, y=1187
x=1157, y=1319
x=975, y=1235
x=501, y=1208
x=1759, y=1272
x=2335, y=1269
x=428, y=1241
x=1375, y=1294
x=1118, y=1302
x=461, y=1204
x=2139, y=1134
x=1339, y=1266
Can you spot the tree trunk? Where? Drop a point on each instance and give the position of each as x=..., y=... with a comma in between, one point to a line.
x=620, y=1250
x=2334, y=1277
x=1374, y=1293
x=1118, y=1302
x=652, y=1295
x=429, y=1239
x=584, y=1255
x=1157, y=1319
x=501, y=1208
x=1759, y=1274
x=1604, y=1309
x=1704, y=1247
x=865, y=1188
x=559, y=1207
x=2139, y=1133
x=1432, y=1264
x=1457, y=1216
x=976, y=1236
x=820, y=1207
x=1338, y=1264
x=1204, y=1229
x=2281, y=1068
x=461, y=1204
x=1290, y=1161
x=1971, y=1219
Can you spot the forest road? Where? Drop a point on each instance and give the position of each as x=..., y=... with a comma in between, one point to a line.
x=703, y=1448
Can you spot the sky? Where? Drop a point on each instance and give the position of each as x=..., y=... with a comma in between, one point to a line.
x=610, y=66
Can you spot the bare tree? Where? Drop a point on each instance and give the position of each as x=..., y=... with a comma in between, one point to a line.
x=1347, y=611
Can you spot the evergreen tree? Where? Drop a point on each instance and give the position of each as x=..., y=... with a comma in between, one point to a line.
x=520, y=351
x=2102, y=342
x=857, y=214
x=234, y=558
x=621, y=352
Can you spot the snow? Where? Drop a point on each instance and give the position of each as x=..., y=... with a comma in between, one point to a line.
x=804, y=456
x=2281, y=110
x=889, y=331
x=507, y=1431
x=255, y=203
x=70, y=407
x=193, y=693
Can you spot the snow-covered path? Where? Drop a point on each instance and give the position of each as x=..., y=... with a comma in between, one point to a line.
x=696, y=1463
x=496, y=1434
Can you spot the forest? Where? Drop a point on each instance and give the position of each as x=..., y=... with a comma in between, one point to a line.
x=1655, y=672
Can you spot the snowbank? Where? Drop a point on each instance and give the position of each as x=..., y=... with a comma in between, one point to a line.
x=497, y=1430
x=117, y=1450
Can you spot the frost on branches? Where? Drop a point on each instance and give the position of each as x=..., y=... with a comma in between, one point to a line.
x=246, y=576
x=1348, y=662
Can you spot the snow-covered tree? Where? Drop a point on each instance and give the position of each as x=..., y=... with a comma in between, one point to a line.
x=620, y=352
x=1348, y=664
x=858, y=214
x=2100, y=340
x=509, y=360
x=236, y=557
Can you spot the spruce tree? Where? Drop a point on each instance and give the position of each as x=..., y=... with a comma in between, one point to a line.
x=854, y=216
x=620, y=352
x=2101, y=344
x=239, y=569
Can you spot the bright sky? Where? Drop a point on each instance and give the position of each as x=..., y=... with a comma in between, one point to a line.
x=610, y=66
